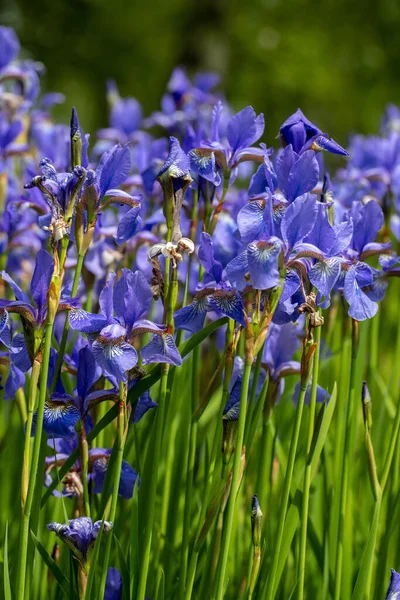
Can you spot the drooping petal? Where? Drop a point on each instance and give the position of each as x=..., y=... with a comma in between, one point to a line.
x=127, y=478
x=303, y=176
x=86, y=375
x=298, y=220
x=230, y=303
x=144, y=404
x=255, y=219
x=360, y=306
x=60, y=417
x=114, y=356
x=81, y=320
x=41, y=279
x=206, y=257
x=191, y=317
x=113, y=589
x=19, y=294
x=263, y=259
x=15, y=381
x=129, y=224
x=324, y=275
x=161, y=349
x=203, y=163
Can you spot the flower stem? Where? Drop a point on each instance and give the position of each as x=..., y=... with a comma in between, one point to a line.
x=120, y=441
x=148, y=517
x=84, y=456
x=33, y=479
x=27, y=445
x=64, y=338
x=269, y=588
x=228, y=521
x=307, y=474
x=344, y=481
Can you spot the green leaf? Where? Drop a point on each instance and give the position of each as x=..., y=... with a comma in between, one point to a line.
x=141, y=386
x=52, y=565
x=124, y=569
x=108, y=480
x=7, y=585
x=368, y=557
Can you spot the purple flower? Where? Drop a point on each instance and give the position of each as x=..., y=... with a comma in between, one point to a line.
x=80, y=534
x=113, y=589
x=112, y=335
x=216, y=295
x=298, y=131
x=243, y=130
x=9, y=46
x=393, y=592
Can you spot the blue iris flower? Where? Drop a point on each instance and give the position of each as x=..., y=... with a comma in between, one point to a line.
x=80, y=534
x=112, y=333
x=215, y=296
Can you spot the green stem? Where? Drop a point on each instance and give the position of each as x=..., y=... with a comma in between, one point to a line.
x=84, y=456
x=269, y=588
x=27, y=444
x=64, y=338
x=228, y=521
x=344, y=479
x=307, y=474
x=33, y=479
x=117, y=476
x=148, y=517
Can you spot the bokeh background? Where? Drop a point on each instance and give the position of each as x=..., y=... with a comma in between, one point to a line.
x=337, y=60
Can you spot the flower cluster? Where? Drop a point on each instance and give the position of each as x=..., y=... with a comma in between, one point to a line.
x=113, y=251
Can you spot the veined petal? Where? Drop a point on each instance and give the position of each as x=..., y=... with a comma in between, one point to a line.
x=191, y=317
x=244, y=128
x=360, y=306
x=161, y=349
x=324, y=274
x=230, y=303
x=18, y=293
x=60, y=417
x=263, y=258
x=114, y=356
x=254, y=219
x=81, y=320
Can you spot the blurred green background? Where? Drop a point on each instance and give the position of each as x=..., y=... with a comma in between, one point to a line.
x=337, y=60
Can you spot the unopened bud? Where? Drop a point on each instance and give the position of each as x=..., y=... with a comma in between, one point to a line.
x=76, y=140
x=256, y=516
x=229, y=435
x=367, y=405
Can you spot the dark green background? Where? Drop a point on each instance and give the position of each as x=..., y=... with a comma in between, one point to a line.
x=337, y=60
